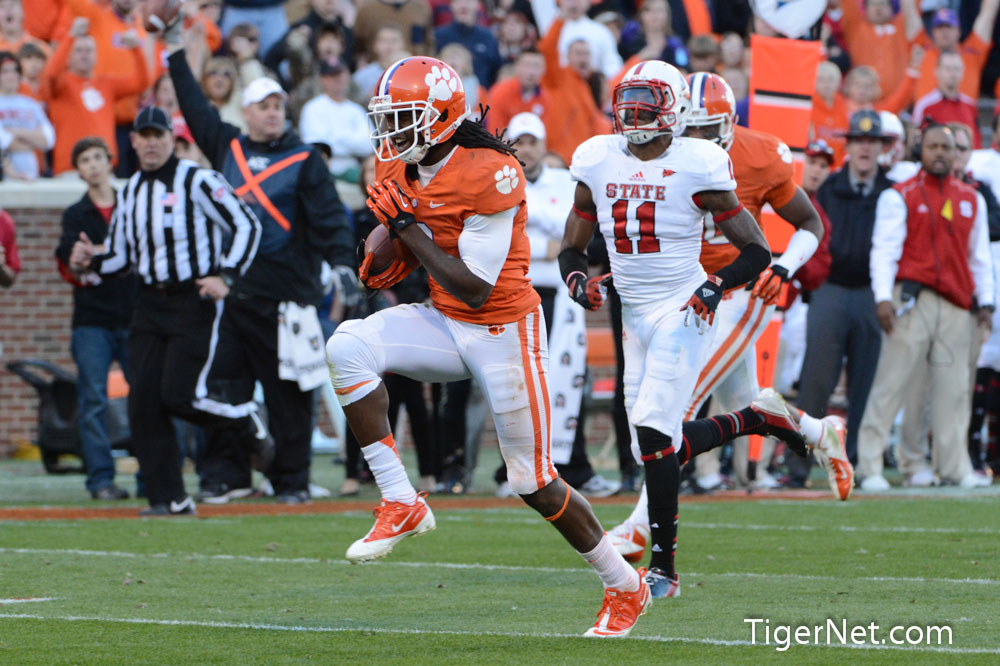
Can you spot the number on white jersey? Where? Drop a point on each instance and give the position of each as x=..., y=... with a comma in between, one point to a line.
x=641, y=218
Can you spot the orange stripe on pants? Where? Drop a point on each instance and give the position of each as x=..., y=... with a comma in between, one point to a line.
x=529, y=380
x=712, y=362
x=549, y=470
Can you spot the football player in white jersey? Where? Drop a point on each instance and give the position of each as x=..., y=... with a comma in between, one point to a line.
x=649, y=189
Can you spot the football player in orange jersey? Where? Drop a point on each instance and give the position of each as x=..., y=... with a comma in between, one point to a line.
x=454, y=194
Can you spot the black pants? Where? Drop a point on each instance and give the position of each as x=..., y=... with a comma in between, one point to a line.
x=167, y=347
x=247, y=351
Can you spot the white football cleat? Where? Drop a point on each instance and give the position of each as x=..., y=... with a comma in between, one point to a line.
x=831, y=453
x=630, y=540
x=394, y=521
x=780, y=422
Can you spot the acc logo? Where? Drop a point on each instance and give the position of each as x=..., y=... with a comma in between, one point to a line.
x=506, y=180
x=441, y=83
x=965, y=208
x=258, y=163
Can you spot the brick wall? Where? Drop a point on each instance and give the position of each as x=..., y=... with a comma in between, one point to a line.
x=34, y=313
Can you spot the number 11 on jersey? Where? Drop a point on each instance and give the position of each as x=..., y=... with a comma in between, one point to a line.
x=645, y=213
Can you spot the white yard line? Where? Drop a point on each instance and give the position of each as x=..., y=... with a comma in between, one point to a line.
x=475, y=566
x=25, y=600
x=441, y=632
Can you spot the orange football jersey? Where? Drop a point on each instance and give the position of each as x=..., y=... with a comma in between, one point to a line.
x=762, y=164
x=474, y=181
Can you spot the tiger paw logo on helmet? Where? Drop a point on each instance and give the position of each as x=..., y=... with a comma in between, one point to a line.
x=441, y=83
x=506, y=180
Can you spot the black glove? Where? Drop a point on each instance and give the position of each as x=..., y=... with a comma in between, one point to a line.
x=587, y=292
x=390, y=205
x=706, y=299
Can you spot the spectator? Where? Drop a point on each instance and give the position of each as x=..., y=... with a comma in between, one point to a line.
x=841, y=321
x=460, y=59
x=577, y=25
x=387, y=47
x=412, y=17
x=212, y=11
x=580, y=61
x=24, y=127
x=108, y=24
x=863, y=88
x=652, y=37
x=321, y=13
x=480, y=42
x=101, y=313
x=243, y=45
x=13, y=34
x=165, y=97
x=80, y=102
x=877, y=38
x=733, y=52
x=333, y=119
x=930, y=264
x=694, y=17
x=32, y=60
x=10, y=262
x=268, y=15
x=985, y=162
x=829, y=110
x=703, y=53
x=947, y=103
x=963, y=153
x=974, y=49
x=186, y=149
x=522, y=91
x=48, y=20
x=515, y=34
x=288, y=186
x=221, y=85
x=328, y=46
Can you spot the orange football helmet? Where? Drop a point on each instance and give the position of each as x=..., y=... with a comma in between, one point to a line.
x=712, y=102
x=419, y=102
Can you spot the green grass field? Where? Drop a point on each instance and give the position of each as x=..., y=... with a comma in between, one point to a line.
x=494, y=586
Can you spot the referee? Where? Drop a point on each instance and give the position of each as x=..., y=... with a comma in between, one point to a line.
x=288, y=186
x=187, y=235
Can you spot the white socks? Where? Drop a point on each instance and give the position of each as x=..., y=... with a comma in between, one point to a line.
x=812, y=429
x=640, y=514
x=614, y=571
x=390, y=475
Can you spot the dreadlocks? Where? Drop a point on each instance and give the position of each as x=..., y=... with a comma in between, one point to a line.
x=473, y=134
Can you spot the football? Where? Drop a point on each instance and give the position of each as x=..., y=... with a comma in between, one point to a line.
x=158, y=15
x=386, y=249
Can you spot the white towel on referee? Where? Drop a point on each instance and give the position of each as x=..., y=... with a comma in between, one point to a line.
x=301, y=352
x=567, y=372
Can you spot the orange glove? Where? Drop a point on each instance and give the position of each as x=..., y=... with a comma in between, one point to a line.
x=769, y=283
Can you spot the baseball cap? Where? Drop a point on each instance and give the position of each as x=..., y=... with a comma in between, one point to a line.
x=820, y=148
x=526, y=123
x=331, y=67
x=944, y=16
x=865, y=123
x=260, y=89
x=152, y=116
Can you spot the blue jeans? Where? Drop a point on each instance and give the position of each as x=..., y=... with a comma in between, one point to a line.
x=271, y=22
x=94, y=348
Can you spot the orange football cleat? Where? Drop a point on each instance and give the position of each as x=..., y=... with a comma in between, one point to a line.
x=621, y=610
x=394, y=521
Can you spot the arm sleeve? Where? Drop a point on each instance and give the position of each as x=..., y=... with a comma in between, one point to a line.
x=980, y=260
x=54, y=70
x=548, y=46
x=116, y=259
x=887, y=243
x=484, y=243
x=209, y=132
x=212, y=193
x=327, y=224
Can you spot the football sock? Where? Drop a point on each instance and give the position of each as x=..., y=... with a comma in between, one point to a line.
x=614, y=571
x=640, y=513
x=812, y=428
x=706, y=434
x=388, y=470
x=663, y=477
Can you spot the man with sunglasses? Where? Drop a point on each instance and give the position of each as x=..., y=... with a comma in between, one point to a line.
x=288, y=186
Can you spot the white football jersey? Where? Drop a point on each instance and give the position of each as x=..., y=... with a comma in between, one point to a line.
x=646, y=213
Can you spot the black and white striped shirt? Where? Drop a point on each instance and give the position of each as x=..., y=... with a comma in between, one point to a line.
x=177, y=224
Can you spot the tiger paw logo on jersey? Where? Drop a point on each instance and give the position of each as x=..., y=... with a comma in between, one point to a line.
x=506, y=180
x=441, y=83
x=496, y=329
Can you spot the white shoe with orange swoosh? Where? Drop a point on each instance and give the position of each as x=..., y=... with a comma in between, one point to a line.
x=394, y=521
x=832, y=454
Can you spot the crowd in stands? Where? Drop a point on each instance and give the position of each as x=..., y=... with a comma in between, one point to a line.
x=72, y=69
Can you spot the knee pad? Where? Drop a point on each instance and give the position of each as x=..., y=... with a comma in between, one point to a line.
x=653, y=444
x=354, y=369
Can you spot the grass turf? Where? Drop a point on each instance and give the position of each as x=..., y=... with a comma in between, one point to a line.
x=493, y=585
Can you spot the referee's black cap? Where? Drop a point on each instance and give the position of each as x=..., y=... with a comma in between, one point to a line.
x=152, y=116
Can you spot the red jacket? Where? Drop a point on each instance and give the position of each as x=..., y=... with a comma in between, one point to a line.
x=939, y=219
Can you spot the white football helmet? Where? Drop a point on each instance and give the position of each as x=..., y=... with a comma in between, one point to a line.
x=893, y=148
x=713, y=102
x=652, y=99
